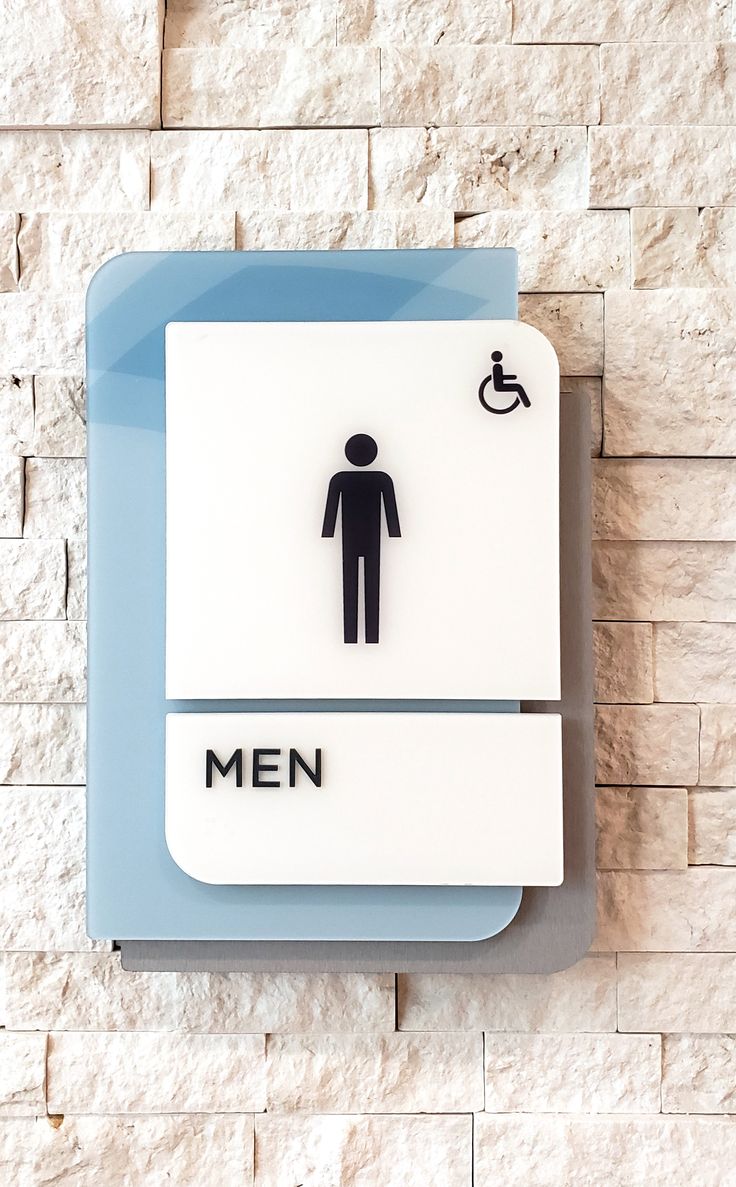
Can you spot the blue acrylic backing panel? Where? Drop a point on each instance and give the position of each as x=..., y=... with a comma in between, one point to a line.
x=135, y=890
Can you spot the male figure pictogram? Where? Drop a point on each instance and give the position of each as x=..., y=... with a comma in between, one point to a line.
x=361, y=498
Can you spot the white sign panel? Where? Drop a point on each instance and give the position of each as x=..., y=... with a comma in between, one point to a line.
x=365, y=798
x=362, y=510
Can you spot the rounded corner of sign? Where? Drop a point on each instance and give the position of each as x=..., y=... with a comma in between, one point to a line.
x=182, y=863
x=544, y=341
x=107, y=270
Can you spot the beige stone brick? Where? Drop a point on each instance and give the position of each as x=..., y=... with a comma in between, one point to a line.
x=476, y=169
x=73, y=170
x=544, y=1151
x=647, y=744
x=102, y=1072
x=52, y=990
x=191, y=24
x=622, y=653
x=34, y=579
x=718, y=745
x=22, y=1075
x=582, y=997
x=677, y=992
x=573, y=322
x=56, y=491
x=42, y=661
x=60, y=423
x=273, y=231
x=76, y=593
x=42, y=873
x=664, y=582
x=712, y=831
x=504, y=84
x=41, y=744
x=662, y=166
x=620, y=20
x=11, y=495
x=40, y=333
x=676, y=499
x=699, y=1074
x=695, y=661
x=683, y=246
x=695, y=83
x=641, y=828
x=670, y=370
x=335, y=1151
x=16, y=414
x=393, y=1073
x=8, y=252
x=135, y=1151
x=680, y=911
x=60, y=252
x=572, y=1073
x=559, y=250
x=318, y=169
x=95, y=65
x=590, y=388
x=383, y=22
x=228, y=87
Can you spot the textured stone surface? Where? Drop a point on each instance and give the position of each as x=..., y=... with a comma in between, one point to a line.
x=76, y=593
x=678, y=499
x=375, y=1074
x=474, y=169
x=682, y=166
x=696, y=83
x=664, y=582
x=8, y=252
x=582, y=997
x=699, y=1074
x=42, y=661
x=678, y=992
x=683, y=911
x=363, y=1151
x=718, y=745
x=16, y=413
x=56, y=491
x=670, y=371
x=270, y=88
x=68, y=72
x=126, y=1151
x=621, y=20
x=42, y=873
x=272, y=231
x=504, y=84
x=574, y=325
x=559, y=251
x=695, y=661
x=647, y=744
x=11, y=495
x=383, y=22
x=61, y=252
x=92, y=992
x=73, y=171
x=41, y=333
x=603, y=1151
x=34, y=579
x=155, y=1073
x=22, y=1075
x=641, y=828
x=41, y=744
x=684, y=246
x=712, y=832
x=191, y=24
x=289, y=170
x=572, y=1073
x=622, y=653
x=60, y=427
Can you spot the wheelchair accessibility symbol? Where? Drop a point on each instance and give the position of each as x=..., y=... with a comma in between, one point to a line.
x=497, y=381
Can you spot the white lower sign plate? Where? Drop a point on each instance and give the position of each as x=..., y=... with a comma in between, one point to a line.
x=365, y=798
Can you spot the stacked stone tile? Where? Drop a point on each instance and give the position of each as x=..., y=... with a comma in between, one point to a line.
x=598, y=137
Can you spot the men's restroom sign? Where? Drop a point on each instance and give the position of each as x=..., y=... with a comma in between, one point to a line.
x=342, y=483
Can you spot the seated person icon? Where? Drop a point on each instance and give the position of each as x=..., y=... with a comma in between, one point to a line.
x=502, y=383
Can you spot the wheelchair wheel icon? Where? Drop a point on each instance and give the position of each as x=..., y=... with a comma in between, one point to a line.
x=503, y=384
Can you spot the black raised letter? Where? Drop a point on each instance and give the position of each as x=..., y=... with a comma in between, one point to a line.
x=315, y=775
x=259, y=767
x=236, y=758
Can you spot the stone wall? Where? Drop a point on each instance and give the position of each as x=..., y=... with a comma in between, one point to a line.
x=598, y=137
